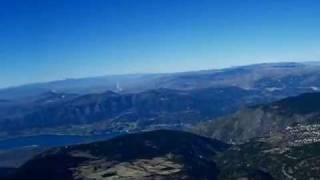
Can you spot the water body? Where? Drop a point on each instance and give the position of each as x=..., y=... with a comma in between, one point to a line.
x=48, y=141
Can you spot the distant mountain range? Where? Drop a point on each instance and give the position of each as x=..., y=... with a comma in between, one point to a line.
x=284, y=78
x=112, y=112
x=151, y=101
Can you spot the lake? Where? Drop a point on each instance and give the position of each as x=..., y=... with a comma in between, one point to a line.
x=47, y=141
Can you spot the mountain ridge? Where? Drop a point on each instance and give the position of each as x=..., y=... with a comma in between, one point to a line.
x=113, y=111
x=264, y=120
x=181, y=80
x=160, y=154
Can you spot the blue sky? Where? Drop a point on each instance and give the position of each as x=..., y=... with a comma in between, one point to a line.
x=42, y=40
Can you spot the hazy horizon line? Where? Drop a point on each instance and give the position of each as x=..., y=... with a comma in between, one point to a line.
x=154, y=73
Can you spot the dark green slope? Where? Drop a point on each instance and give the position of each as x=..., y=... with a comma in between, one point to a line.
x=172, y=155
x=159, y=154
x=264, y=120
x=303, y=104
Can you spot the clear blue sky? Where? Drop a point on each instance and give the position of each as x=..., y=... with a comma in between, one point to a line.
x=43, y=40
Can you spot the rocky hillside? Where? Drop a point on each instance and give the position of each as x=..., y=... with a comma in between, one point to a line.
x=274, y=157
x=264, y=120
x=166, y=154
x=159, y=154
